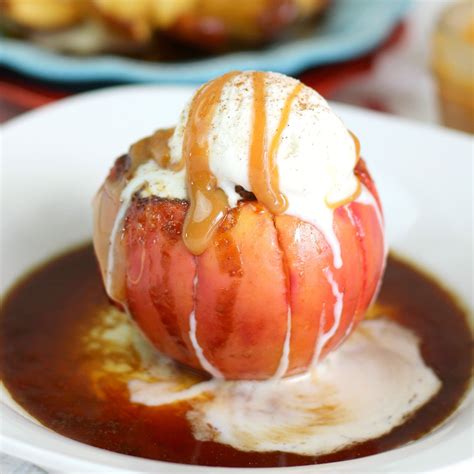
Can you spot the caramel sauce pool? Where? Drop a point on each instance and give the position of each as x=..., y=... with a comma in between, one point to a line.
x=44, y=365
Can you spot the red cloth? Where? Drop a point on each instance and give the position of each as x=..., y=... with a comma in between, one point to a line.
x=19, y=94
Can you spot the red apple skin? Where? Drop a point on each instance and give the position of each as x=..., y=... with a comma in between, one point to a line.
x=240, y=289
x=159, y=275
x=241, y=296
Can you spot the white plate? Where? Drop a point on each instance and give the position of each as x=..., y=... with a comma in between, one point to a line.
x=55, y=158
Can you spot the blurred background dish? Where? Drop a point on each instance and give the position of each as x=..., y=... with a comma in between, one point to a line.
x=346, y=29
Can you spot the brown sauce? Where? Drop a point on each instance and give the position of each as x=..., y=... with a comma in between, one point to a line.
x=43, y=365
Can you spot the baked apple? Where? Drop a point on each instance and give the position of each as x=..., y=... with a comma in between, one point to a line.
x=248, y=241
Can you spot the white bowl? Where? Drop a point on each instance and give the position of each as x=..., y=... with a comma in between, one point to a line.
x=55, y=158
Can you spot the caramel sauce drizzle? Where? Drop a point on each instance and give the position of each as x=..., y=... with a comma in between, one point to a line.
x=263, y=169
x=358, y=190
x=155, y=147
x=357, y=145
x=159, y=148
x=208, y=203
x=139, y=153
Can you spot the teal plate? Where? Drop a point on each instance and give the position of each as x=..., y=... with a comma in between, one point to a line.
x=349, y=29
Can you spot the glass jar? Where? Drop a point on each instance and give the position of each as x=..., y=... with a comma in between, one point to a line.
x=453, y=65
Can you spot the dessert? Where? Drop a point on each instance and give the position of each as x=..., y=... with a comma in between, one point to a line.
x=246, y=245
x=86, y=26
x=248, y=241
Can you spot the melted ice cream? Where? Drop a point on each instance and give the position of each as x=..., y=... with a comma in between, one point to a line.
x=361, y=391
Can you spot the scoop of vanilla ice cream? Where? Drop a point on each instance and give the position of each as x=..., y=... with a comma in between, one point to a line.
x=315, y=159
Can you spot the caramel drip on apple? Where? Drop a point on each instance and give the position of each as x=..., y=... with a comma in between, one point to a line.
x=208, y=203
x=155, y=147
x=263, y=169
x=158, y=147
x=358, y=190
